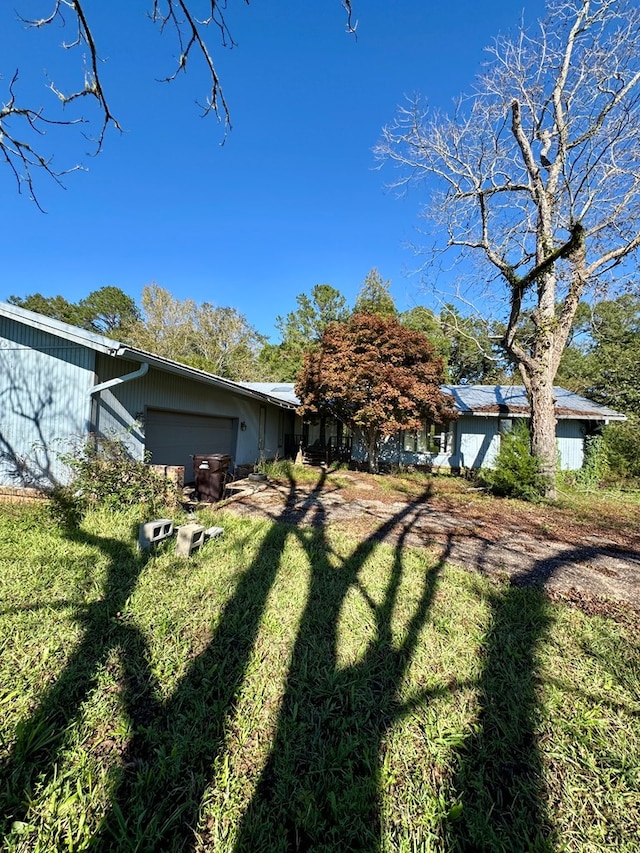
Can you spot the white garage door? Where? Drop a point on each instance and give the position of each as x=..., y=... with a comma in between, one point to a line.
x=173, y=437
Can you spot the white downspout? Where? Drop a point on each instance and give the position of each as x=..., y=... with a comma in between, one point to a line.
x=119, y=380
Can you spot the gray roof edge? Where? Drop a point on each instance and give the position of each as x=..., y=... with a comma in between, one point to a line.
x=94, y=340
x=110, y=347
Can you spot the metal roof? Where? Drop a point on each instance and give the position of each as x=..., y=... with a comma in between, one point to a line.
x=116, y=349
x=282, y=390
x=486, y=400
x=501, y=400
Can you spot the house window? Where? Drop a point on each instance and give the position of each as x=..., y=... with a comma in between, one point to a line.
x=432, y=438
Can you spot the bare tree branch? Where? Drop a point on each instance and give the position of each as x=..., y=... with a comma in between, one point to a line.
x=189, y=22
x=537, y=176
x=19, y=154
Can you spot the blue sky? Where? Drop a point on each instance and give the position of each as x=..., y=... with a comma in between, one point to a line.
x=291, y=199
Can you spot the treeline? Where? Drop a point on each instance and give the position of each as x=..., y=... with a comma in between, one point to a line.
x=222, y=341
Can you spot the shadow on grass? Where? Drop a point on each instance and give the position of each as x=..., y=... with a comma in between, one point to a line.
x=499, y=780
x=322, y=776
x=320, y=787
x=169, y=761
x=42, y=738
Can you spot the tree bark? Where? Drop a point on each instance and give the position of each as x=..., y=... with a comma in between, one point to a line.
x=543, y=430
x=372, y=451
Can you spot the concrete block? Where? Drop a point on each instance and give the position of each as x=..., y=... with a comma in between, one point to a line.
x=172, y=473
x=213, y=532
x=154, y=531
x=190, y=538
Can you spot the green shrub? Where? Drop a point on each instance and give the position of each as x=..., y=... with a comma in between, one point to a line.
x=596, y=464
x=105, y=474
x=621, y=442
x=517, y=472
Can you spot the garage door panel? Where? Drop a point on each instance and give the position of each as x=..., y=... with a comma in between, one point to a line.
x=173, y=437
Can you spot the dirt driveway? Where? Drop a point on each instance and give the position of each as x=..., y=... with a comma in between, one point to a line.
x=592, y=560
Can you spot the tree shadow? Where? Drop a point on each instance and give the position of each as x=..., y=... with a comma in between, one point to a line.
x=157, y=799
x=499, y=781
x=320, y=787
x=169, y=762
x=29, y=404
x=42, y=738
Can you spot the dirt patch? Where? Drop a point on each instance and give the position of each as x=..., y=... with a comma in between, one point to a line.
x=593, y=557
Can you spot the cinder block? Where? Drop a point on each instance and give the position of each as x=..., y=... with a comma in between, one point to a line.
x=190, y=538
x=212, y=532
x=154, y=531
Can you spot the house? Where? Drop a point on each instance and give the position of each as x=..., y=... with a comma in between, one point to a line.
x=485, y=413
x=60, y=384
x=473, y=440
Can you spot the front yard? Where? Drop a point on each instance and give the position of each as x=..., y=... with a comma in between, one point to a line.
x=303, y=688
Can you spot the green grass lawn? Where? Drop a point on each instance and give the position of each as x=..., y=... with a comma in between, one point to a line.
x=294, y=690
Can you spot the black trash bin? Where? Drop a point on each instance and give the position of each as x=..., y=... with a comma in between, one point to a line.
x=211, y=471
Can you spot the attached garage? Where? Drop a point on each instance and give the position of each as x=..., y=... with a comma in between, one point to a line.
x=60, y=384
x=173, y=438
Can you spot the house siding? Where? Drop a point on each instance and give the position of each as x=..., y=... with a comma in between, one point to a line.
x=479, y=441
x=122, y=410
x=570, y=434
x=44, y=403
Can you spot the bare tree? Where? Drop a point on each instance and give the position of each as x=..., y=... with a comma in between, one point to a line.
x=537, y=175
x=22, y=125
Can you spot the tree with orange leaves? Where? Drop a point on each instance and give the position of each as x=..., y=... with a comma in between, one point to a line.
x=377, y=377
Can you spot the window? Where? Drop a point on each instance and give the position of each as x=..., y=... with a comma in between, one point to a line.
x=432, y=438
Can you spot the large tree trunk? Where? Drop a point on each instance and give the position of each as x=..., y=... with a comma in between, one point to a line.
x=372, y=451
x=543, y=431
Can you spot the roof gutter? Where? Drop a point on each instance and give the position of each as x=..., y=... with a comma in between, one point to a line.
x=577, y=415
x=119, y=380
x=198, y=375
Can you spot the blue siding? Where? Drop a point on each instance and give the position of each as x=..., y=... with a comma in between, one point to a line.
x=44, y=403
x=479, y=441
x=122, y=409
x=570, y=435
